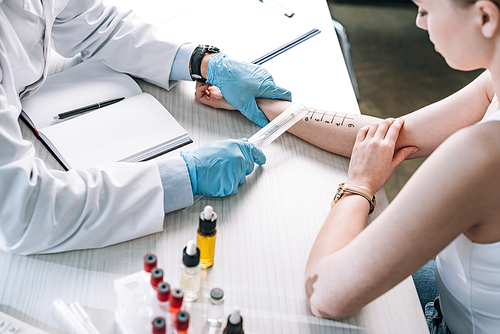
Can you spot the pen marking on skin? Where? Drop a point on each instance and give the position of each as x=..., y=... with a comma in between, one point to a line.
x=308, y=117
x=318, y=120
x=342, y=122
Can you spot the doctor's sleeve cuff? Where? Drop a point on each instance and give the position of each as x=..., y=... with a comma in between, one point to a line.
x=176, y=183
x=180, y=66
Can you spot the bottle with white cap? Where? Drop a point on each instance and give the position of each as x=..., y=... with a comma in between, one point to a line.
x=234, y=323
x=191, y=271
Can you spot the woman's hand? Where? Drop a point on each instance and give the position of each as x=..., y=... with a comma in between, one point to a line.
x=211, y=96
x=373, y=158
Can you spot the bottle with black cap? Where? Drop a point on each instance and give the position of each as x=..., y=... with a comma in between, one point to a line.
x=234, y=323
x=191, y=271
x=206, y=236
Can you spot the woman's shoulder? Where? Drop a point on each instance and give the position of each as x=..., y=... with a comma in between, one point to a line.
x=471, y=155
x=464, y=170
x=480, y=141
x=484, y=158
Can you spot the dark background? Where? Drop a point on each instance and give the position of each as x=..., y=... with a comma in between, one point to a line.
x=395, y=65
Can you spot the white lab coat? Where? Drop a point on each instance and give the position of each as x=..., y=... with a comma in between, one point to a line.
x=44, y=211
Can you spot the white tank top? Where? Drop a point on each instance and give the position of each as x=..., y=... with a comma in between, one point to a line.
x=468, y=279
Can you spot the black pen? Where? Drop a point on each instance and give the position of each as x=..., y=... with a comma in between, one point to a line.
x=86, y=109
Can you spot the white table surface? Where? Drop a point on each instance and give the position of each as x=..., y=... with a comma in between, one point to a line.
x=265, y=230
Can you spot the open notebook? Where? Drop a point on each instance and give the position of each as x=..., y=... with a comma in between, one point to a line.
x=136, y=128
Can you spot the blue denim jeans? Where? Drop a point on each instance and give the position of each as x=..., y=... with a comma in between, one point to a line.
x=428, y=293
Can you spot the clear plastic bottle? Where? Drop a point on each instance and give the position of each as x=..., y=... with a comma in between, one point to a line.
x=191, y=271
x=133, y=290
x=215, y=311
x=134, y=311
x=147, y=310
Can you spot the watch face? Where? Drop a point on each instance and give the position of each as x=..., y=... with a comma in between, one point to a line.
x=211, y=49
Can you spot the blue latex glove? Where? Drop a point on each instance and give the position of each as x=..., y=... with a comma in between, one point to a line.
x=241, y=83
x=216, y=169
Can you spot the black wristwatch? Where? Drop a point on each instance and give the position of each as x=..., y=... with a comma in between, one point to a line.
x=197, y=57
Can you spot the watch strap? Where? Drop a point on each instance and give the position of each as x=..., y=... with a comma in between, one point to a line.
x=343, y=188
x=197, y=58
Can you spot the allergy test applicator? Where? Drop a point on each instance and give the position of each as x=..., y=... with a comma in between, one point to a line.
x=278, y=126
x=273, y=130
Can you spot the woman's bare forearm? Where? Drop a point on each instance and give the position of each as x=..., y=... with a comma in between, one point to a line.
x=335, y=132
x=425, y=128
x=331, y=131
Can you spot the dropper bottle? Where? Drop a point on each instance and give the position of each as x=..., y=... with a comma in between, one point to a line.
x=206, y=236
x=191, y=271
x=234, y=323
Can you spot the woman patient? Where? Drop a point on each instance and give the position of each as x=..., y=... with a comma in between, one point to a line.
x=448, y=210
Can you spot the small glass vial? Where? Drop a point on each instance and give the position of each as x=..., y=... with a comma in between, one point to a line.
x=163, y=294
x=146, y=310
x=149, y=265
x=215, y=311
x=191, y=271
x=156, y=278
x=182, y=322
x=159, y=326
x=176, y=298
x=145, y=284
x=206, y=236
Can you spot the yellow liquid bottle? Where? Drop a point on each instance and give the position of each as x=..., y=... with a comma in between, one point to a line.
x=206, y=237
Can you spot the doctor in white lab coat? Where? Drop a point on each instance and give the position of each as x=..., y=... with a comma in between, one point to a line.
x=45, y=211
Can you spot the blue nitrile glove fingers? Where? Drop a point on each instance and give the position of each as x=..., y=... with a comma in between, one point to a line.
x=216, y=169
x=241, y=83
